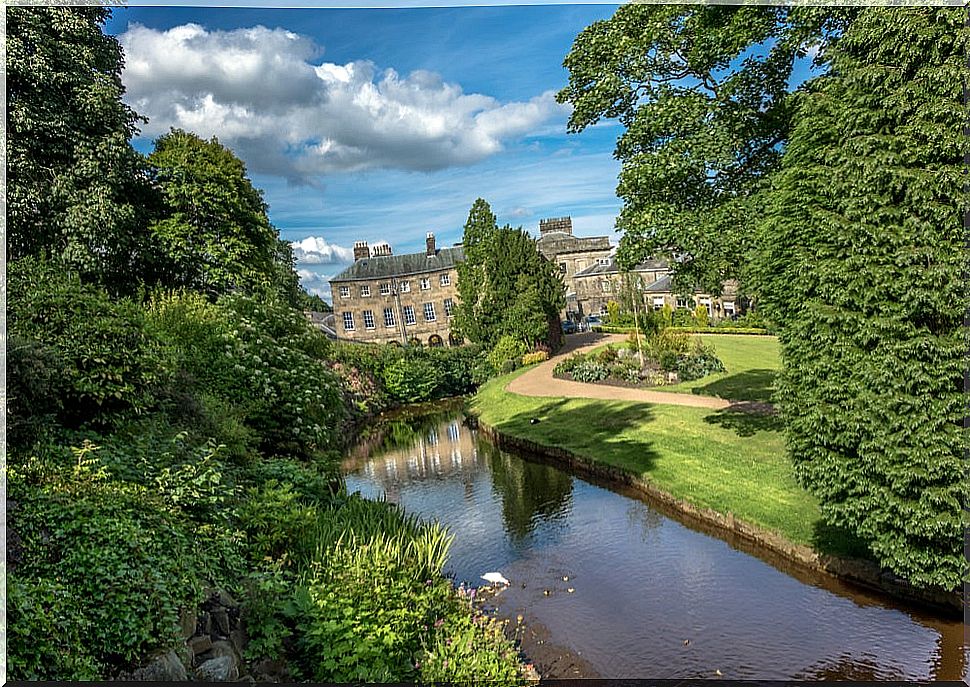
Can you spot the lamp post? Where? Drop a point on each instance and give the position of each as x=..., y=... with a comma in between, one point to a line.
x=400, y=311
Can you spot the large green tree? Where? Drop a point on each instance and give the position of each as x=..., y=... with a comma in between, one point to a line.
x=702, y=92
x=216, y=235
x=505, y=286
x=76, y=189
x=865, y=270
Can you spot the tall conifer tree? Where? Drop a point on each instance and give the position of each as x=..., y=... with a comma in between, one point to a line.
x=865, y=270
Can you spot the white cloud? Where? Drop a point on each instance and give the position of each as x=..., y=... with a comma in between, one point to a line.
x=259, y=91
x=314, y=250
x=314, y=282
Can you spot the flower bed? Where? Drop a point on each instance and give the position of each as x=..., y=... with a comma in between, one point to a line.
x=668, y=358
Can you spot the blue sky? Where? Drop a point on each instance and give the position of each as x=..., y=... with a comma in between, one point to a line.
x=379, y=155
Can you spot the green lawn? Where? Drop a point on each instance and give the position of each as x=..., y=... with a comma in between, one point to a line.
x=750, y=362
x=729, y=461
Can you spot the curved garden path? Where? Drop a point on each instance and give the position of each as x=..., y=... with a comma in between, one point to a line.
x=539, y=381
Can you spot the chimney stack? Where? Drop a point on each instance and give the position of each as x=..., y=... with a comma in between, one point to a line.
x=361, y=250
x=430, y=243
x=563, y=224
x=381, y=250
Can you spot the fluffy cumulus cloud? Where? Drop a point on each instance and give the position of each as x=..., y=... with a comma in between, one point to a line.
x=314, y=250
x=266, y=93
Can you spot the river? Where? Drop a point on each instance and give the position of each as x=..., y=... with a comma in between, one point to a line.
x=647, y=595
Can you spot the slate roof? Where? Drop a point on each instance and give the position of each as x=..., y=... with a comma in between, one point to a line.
x=405, y=265
x=662, y=285
x=611, y=268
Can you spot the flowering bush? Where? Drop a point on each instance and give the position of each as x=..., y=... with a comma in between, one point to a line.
x=535, y=357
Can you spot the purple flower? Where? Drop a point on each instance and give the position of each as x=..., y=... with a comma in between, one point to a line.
x=439, y=622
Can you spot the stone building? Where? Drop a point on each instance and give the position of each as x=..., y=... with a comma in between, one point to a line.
x=599, y=284
x=387, y=298
x=570, y=254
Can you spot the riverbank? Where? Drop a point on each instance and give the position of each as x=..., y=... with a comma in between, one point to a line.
x=725, y=467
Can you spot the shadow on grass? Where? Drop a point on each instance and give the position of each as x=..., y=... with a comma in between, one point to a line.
x=750, y=385
x=746, y=420
x=591, y=429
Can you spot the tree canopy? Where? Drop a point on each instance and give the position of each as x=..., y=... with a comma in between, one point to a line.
x=702, y=94
x=216, y=235
x=76, y=189
x=864, y=268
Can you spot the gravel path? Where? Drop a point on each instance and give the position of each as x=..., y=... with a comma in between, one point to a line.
x=540, y=382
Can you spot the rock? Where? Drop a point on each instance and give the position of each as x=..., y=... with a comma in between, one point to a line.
x=222, y=648
x=239, y=639
x=221, y=621
x=188, y=621
x=164, y=668
x=226, y=600
x=219, y=669
x=200, y=645
x=269, y=670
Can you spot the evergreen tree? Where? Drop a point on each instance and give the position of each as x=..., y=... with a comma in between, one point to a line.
x=472, y=317
x=864, y=268
x=505, y=285
x=76, y=189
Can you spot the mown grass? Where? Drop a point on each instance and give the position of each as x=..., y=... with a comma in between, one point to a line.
x=728, y=461
x=750, y=362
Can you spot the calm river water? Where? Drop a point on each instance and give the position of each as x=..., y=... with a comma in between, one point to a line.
x=642, y=581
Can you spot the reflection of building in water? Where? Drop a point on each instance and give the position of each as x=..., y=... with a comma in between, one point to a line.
x=436, y=454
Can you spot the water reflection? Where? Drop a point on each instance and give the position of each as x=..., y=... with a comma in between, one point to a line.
x=531, y=493
x=642, y=582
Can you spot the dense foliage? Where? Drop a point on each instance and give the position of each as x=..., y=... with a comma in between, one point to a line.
x=506, y=287
x=867, y=278
x=215, y=233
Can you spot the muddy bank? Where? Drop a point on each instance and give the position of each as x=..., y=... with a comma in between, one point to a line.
x=549, y=660
x=860, y=572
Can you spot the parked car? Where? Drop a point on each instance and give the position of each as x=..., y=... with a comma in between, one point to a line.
x=569, y=327
x=593, y=321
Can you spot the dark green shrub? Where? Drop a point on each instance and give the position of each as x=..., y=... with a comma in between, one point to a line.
x=107, y=363
x=129, y=562
x=34, y=390
x=48, y=630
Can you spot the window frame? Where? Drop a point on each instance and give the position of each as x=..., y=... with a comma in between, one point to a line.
x=410, y=317
x=373, y=322
x=429, y=307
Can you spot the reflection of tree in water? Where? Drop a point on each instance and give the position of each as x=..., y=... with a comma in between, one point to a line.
x=865, y=668
x=529, y=491
x=406, y=431
x=642, y=514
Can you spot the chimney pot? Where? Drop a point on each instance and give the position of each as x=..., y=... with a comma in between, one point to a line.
x=430, y=244
x=361, y=250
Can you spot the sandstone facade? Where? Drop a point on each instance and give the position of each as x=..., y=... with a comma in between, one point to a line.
x=386, y=298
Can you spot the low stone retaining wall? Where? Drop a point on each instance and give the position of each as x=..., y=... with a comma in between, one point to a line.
x=862, y=572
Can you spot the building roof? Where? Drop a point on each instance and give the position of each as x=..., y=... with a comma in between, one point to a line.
x=384, y=266
x=662, y=285
x=611, y=268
